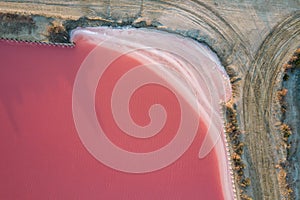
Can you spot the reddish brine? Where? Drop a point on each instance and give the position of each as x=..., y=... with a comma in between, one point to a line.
x=124, y=114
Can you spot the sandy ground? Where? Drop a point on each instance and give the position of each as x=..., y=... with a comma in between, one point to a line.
x=253, y=41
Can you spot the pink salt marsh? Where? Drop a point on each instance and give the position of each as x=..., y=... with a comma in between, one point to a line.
x=49, y=145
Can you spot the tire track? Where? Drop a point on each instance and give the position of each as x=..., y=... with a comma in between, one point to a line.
x=222, y=37
x=261, y=84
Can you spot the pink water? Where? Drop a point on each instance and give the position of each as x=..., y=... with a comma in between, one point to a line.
x=43, y=157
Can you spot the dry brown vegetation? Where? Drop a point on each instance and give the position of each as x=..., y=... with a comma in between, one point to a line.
x=57, y=33
x=234, y=37
x=234, y=137
x=284, y=128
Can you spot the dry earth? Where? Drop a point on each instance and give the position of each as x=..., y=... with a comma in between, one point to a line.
x=253, y=39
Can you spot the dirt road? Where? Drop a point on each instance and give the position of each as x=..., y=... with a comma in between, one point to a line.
x=252, y=39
